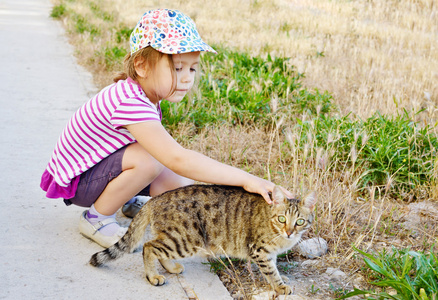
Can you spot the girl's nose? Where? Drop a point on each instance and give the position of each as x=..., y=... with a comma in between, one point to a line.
x=186, y=77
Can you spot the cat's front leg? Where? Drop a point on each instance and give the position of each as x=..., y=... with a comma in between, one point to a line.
x=268, y=267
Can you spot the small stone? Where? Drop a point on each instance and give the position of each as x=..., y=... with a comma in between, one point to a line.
x=309, y=263
x=312, y=248
x=335, y=273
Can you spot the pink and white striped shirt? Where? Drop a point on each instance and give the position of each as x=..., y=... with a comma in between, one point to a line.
x=94, y=132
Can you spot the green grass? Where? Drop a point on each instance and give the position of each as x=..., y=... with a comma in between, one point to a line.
x=393, y=153
x=112, y=55
x=236, y=88
x=221, y=263
x=58, y=11
x=411, y=275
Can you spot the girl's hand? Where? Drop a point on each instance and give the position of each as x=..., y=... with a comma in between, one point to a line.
x=264, y=187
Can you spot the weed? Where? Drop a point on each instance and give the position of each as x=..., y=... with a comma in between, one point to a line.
x=221, y=263
x=313, y=290
x=82, y=25
x=58, y=11
x=413, y=275
x=337, y=291
x=393, y=153
x=113, y=56
x=240, y=89
x=123, y=34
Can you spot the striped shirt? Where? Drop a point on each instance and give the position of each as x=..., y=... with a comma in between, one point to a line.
x=94, y=132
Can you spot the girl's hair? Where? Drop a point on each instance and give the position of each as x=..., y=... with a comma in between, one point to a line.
x=151, y=57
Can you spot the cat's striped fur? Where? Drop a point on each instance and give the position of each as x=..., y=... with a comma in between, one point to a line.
x=219, y=220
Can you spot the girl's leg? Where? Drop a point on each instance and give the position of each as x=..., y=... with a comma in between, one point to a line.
x=139, y=169
x=166, y=181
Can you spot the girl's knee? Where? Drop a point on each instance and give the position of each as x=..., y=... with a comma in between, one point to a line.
x=168, y=180
x=137, y=159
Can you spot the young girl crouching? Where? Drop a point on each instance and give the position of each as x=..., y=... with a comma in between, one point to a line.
x=115, y=146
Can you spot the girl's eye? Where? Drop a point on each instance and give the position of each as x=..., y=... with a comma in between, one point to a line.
x=300, y=222
x=192, y=70
x=282, y=219
x=178, y=69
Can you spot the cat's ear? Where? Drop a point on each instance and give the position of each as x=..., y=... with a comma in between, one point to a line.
x=310, y=201
x=277, y=196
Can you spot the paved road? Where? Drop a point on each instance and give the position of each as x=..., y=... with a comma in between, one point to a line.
x=42, y=254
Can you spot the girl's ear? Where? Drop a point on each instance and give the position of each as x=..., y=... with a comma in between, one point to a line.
x=141, y=68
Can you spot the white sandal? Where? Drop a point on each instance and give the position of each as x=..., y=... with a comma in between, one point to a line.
x=92, y=231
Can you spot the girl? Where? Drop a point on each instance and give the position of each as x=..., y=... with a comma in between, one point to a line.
x=114, y=145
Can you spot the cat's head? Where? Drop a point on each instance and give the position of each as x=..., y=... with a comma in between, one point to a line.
x=291, y=217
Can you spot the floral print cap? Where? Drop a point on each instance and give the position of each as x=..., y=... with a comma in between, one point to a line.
x=168, y=31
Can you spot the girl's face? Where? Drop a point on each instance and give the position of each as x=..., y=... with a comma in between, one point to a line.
x=186, y=66
x=158, y=85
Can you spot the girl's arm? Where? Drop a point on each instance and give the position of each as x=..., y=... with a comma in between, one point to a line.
x=156, y=140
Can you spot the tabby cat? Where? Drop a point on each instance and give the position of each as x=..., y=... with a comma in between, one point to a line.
x=214, y=219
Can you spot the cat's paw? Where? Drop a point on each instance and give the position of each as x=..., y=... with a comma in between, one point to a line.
x=177, y=268
x=283, y=289
x=156, y=280
x=171, y=266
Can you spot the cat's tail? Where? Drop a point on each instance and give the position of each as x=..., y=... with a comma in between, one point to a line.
x=129, y=242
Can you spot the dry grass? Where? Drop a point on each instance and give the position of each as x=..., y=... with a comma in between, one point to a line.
x=379, y=55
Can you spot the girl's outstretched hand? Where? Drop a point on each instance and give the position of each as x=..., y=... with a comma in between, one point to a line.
x=264, y=187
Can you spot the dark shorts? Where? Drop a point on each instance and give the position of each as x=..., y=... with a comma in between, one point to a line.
x=95, y=180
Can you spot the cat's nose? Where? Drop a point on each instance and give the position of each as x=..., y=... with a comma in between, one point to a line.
x=289, y=233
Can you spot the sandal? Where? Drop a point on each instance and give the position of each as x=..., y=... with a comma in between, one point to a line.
x=131, y=209
x=92, y=231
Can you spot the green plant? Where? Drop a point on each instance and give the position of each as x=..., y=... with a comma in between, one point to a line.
x=398, y=148
x=394, y=153
x=82, y=25
x=313, y=290
x=337, y=291
x=123, y=33
x=239, y=89
x=413, y=275
x=113, y=56
x=58, y=11
x=220, y=264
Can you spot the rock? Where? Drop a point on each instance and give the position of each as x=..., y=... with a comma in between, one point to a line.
x=312, y=248
x=335, y=273
x=309, y=263
x=418, y=213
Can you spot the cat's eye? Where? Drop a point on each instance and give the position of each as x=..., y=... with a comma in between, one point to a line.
x=282, y=219
x=300, y=222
